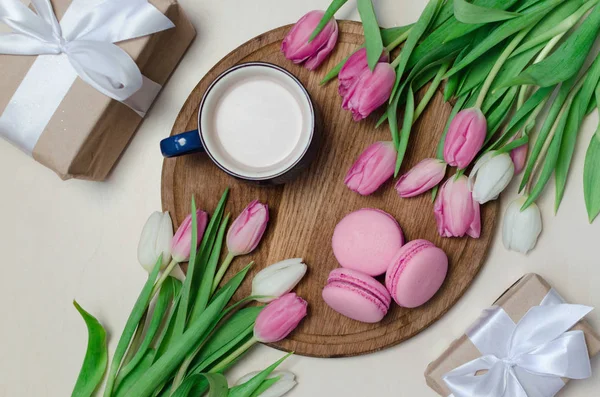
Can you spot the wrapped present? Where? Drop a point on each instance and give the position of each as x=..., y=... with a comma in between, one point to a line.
x=530, y=343
x=69, y=96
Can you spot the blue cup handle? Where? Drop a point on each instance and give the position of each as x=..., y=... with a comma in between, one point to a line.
x=180, y=144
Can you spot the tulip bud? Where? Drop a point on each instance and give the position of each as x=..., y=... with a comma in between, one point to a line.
x=354, y=67
x=456, y=213
x=465, y=137
x=373, y=167
x=297, y=48
x=369, y=91
x=247, y=230
x=156, y=240
x=182, y=241
x=284, y=384
x=491, y=175
x=278, y=279
x=519, y=158
x=279, y=318
x=422, y=177
x=521, y=229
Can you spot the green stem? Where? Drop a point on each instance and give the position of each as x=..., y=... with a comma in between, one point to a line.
x=401, y=39
x=222, y=271
x=163, y=277
x=435, y=84
x=136, y=341
x=499, y=63
x=221, y=365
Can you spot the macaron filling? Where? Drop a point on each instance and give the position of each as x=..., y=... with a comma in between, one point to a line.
x=377, y=297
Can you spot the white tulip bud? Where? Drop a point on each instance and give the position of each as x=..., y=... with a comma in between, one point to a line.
x=278, y=279
x=491, y=175
x=156, y=240
x=286, y=382
x=521, y=229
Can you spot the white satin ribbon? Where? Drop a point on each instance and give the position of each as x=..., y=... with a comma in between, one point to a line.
x=82, y=44
x=527, y=359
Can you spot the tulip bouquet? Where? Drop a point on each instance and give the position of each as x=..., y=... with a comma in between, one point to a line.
x=511, y=68
x=181, y=336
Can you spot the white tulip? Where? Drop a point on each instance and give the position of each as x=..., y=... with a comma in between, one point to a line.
x=521, y=229
x=278, y=279
x=491, y=175
x=286, y=382
x=155, y=240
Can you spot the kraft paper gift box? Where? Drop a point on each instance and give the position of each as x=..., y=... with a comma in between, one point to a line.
x=88, y=131
x=516, y=302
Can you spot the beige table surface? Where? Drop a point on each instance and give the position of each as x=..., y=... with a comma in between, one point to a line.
x=75, y=239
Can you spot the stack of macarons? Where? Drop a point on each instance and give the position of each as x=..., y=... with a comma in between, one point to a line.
x=368, y=243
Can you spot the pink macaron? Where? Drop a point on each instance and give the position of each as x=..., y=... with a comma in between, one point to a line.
x=356, y=295
x=366, y=240
x=416, y=273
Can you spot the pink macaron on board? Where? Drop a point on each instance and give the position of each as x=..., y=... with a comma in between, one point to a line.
x=356, y=295
x=366, y=240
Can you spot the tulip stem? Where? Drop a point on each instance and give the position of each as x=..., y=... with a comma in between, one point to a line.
x=163, y=277
x=401, y=39
x=222, y=271
x=437, y=80
x=221, y=365
x=498, y=65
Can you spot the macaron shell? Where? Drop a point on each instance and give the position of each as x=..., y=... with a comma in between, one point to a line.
x=351, y=303
x=367, y=240
x=362, y=281
x=415, y=275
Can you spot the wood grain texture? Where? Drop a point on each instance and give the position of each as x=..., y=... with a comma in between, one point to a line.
x=305, y=211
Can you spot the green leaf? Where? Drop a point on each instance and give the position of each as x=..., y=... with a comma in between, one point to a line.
x=466, y=12
x=169, y=289
x=267, y=383
x=166, y=336
x=591, y=177
x=225, y=338
x=532, y=106
x=566, y=60
x=96, y=356
x=132, y=323
x=179, y=348
x=409, y=113
x=196, y=263
x=373, y=40
x=389, y=35
x=413, y=39
x=479, y=70
x=135, y=374
x=500, y=113
x=232, y=285
x=452, y=85
x=591, y=106
x=575, y=119
x=246, y=389
x=209, y=273
x=329, y=13
x=504, y=31
x=192, y=386
x=557, y=22
x=549, y=124
x=335, y=71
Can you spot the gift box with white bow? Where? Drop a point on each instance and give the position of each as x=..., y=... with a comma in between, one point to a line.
x=530, y=343
x=78, y=76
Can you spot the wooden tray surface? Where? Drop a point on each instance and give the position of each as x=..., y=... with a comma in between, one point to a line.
x=304, y=212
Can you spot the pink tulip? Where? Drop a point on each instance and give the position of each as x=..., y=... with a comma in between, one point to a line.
x=247, y=230
x=354, y=67
x=279, y=318
x=455, y=210
x=297, y=48
x=182, y=240
x=424, y=176
x=373, y=167
x=465, y=137
x=369, y=91
x=519, y=157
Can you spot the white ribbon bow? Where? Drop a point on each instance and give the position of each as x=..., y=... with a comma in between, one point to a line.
x=88, y=44
x=527, y=359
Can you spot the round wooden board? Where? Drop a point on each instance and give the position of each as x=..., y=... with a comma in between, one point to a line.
x=304, y=212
